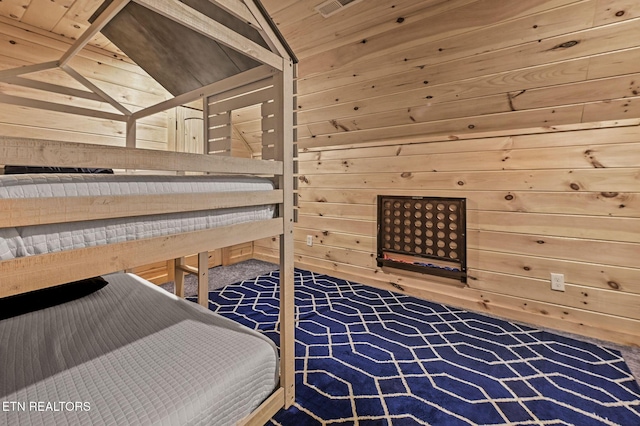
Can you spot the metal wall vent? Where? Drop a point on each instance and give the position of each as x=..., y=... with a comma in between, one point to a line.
x=331, y=7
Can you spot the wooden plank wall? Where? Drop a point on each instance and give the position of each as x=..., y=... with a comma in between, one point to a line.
x=116, y=75
x=529, y=109
x=552, y=202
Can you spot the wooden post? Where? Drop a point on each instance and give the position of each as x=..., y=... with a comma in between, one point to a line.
x=203, y=278
x=178, y=266
x=284, y=153
x=131, y=133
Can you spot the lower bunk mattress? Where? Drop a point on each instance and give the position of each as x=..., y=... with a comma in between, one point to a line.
x=131, y=353
x=40, y=239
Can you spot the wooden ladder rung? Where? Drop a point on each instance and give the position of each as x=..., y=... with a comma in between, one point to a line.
x=188, y=269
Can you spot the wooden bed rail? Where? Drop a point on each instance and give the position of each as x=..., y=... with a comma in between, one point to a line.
x=25, y=273
x=38, y=152
x=39, y=211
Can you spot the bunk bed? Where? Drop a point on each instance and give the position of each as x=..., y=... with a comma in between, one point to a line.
x=131, y=351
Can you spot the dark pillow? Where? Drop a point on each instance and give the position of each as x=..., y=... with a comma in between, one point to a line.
x=19, y=304
x=20, y=170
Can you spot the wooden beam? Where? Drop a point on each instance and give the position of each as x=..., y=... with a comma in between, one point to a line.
x=95, y=89
x=265, y=411
x=244, y=90
x=38, y=211
x=131, y=131
x=265, y=30
x=37, y=152
x=53, y=88
x=30, y=273
x=188, y=269
x=14, y=72
x=239, y=10
x=205, y=124
x=284, y=152
x=100, y=22
x=179, y=265
x=248, y=99
x=52, y=106
x=239, y=80
x=208, y=27
x=203, y=278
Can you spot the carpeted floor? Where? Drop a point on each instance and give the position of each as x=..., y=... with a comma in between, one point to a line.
x=371, y=357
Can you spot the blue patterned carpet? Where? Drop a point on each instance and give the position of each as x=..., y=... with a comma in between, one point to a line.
x=372, y=357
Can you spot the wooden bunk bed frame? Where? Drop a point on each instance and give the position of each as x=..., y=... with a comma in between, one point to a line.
x=270, y=84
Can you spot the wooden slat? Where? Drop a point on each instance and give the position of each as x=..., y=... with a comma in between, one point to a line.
x=26, y=122
x=220, y=147
x=41, y=271
x=361, y=204
x=573, y=249
x=511, y=158
x=593, y=180
x=179, y=264
x=203, y=279
x=95, y=89
x=220, y=119
x=594, y=41
x=237, y=253
x=52, y=106
x=45, y=14
x=239, y=91
x=55, y=88
x=620, y=229
x=521, y=139
x=236, y=81
x=574, y=296
x=13, y=72
x=605, y=277
x=246, y=100
x=67, y=154
x=37, y=211
x=222, y=132
x=447, y=24
x=490, y=122
x=15, y=11
x=206, y=26
x=188, y=269
x=266, y=410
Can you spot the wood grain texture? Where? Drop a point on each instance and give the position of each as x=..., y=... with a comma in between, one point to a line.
x=563, y=202
x=433, y=98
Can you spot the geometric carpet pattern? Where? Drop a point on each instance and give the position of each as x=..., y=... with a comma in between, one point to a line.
x=366, y=356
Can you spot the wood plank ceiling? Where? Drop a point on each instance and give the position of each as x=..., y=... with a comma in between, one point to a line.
x=388, y=69
x=68, y=18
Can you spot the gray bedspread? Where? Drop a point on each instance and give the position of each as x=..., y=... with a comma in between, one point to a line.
x=49, y=238
x=131, y=354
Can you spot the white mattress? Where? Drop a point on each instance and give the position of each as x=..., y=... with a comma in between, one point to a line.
x=26, y=241
x=131, y=353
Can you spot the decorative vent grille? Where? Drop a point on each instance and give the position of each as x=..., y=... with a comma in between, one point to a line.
x=332, y=7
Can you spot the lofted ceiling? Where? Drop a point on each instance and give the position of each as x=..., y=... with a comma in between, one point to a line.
x=406, y=69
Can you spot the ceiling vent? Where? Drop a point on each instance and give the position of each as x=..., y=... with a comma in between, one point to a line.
x=332, y=7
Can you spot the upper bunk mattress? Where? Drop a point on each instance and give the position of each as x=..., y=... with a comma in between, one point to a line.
x=40, y=239
x=131, y=353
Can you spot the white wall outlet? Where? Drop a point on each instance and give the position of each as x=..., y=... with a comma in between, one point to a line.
x=310, y=240
x=557, y=282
